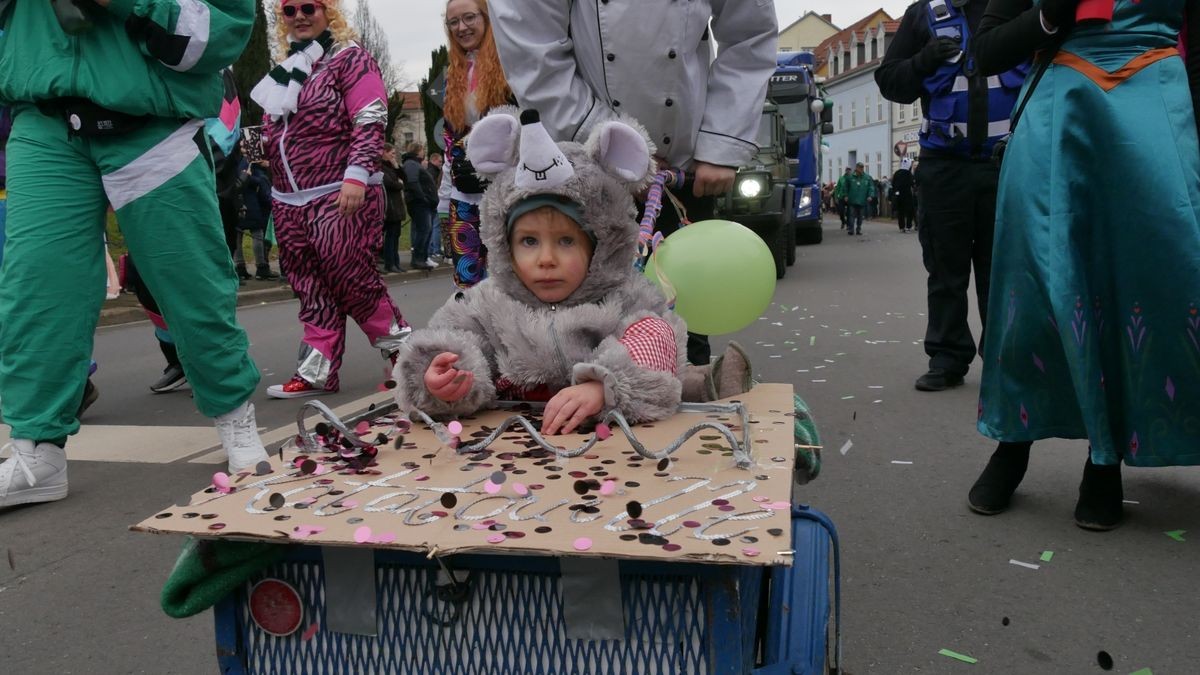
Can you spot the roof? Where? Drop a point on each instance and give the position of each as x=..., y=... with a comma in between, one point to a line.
x=410, y=100
x=824, y=18
x=857, y=28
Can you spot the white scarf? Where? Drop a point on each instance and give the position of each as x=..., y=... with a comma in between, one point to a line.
x=279, y=92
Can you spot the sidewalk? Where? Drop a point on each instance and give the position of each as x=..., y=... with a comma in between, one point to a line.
x=126, y=309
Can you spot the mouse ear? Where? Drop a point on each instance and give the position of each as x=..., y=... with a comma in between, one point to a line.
x=623, y=151
x=492, y=143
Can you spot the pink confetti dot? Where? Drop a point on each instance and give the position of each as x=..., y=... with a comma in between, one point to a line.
x=386, y=538
x=761, y=499
x=319, y=470
x=603, y=431
x=309, y=632
x=781, y=506
x=362, y=535
x=520, y=489
x=491, y=488
x=421, y=478
x=362, y=427
x=349, y=503
x=220, y=480
x=582, y=544
x=478, y=526
x=608, y=487
x=455, y=427
x=496, y=538
x=750, y=552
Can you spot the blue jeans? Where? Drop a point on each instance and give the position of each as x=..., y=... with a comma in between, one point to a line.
x=435, y=235
x=856, y=218
x=422, y=228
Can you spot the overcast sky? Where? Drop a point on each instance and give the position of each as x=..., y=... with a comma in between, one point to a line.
x=414, y=27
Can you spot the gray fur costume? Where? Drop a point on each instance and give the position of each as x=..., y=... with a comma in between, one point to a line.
x=499, y=328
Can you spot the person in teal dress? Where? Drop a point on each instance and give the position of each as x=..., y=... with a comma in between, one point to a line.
x=1094, y=326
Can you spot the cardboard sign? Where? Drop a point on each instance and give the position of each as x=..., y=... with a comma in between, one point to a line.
x=517, y=498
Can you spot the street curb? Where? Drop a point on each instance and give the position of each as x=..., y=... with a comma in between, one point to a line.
x=115, y=316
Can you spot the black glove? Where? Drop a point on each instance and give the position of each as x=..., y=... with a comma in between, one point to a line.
x=464, y=177
x=937, y=51
x=1060, y=13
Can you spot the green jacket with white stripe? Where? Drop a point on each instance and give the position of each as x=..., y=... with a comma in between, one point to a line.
x=141, y=57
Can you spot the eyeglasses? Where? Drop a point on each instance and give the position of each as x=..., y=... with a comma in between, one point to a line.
x=307, y=9
x=468, y=19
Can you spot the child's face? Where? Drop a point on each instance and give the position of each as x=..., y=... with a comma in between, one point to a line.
x=551, y=254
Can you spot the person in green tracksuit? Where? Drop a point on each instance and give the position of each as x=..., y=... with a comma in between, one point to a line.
x=859, y=190
x=114, y=114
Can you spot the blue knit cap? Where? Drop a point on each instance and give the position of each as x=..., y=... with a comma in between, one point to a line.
x=563, y=205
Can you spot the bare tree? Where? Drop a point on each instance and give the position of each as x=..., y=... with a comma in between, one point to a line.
x=375, y=41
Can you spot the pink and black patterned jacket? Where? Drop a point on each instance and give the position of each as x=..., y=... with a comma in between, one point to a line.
x=335, y=135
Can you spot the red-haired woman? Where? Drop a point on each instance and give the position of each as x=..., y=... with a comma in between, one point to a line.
x=474, y=85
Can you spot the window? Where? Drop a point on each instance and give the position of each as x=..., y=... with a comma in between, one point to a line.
x=862, y=52
x=879, y=107
x=408, y=137
x=845, y=61
x=878, y=164
x=916, y=110
x=840, y=126
x=853, y=115
x=867, y=110
x=874, y=49
x=901, y=109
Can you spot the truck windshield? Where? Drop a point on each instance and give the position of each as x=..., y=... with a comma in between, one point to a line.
x=765, y=127
x=797, y=118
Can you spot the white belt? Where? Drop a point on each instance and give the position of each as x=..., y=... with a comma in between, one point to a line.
x=961, y=83
x=302, y=197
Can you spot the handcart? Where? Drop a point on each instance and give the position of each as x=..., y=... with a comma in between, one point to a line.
x=559, y=566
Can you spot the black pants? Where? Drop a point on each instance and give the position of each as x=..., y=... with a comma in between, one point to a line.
x=905, y=211
x=698, y=208
x=957, y=216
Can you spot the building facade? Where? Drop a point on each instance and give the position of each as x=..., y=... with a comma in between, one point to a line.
x=410, y=124
x=863, y=121
x=806, y=33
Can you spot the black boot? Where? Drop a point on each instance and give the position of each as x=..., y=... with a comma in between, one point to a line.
x=242, y=272
x=993, y=490
x=1100, y=506
x=90, y=393
x=264, y=273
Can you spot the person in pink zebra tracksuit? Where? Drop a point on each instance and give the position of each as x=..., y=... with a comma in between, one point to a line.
x=326, y=111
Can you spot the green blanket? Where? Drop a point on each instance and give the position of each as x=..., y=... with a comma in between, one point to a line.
x=209, y=570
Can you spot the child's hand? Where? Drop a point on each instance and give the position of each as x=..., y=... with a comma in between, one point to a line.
x=446, y=382
x=571, y=406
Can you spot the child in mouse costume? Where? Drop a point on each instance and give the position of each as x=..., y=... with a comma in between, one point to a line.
x=563, y=317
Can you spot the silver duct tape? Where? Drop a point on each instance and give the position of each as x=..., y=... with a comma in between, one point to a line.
x=396, y=336
x=350, y=593
x=374, y=113
x=313, y=366
x=591, y=595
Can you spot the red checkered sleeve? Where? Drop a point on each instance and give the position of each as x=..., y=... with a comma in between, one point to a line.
x=651, y=344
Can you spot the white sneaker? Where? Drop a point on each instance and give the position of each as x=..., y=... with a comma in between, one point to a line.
x=33, y=474
x=239, y=434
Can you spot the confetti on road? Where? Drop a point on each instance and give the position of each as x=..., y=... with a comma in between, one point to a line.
x=847, y=398
x=1047, y=555
x=1177, y=535
x=1129, y=501
x=874, y=386
x=818, y=381
x=901, y=461
x=846, y=448
x=955, y=655
x=1018, y=563
x=812, y=340
x=878, y=400
x=1143, y=671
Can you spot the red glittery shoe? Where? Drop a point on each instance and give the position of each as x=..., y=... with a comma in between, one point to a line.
x=296, y=387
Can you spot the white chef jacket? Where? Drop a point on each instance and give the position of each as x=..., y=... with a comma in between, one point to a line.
x=581, y=62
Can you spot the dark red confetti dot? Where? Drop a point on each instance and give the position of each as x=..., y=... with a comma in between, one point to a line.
x=217, y=526
x=577, y=474
x=671, y=547
x=308, y=466
x=634, y=509
x=775, y=532
x=439, y=514
x=720, y=542
x=543, y=529
x=514, y=534
x=691, y=523
x=720, y=502
x=727, y=507
x=629, y=537
x=581, y=487
x=163, y=515
x=449, y=500
x=632, y=484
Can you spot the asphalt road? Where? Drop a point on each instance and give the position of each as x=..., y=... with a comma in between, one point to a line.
x=920, y=573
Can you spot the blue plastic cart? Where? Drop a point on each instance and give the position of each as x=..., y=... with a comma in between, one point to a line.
x=507, y=617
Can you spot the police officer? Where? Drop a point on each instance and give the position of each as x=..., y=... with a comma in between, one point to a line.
x=965, y=114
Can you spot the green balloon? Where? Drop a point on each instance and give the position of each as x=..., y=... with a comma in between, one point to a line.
x=720, y=274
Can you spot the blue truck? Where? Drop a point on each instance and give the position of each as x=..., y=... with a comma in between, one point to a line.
x=806, y=117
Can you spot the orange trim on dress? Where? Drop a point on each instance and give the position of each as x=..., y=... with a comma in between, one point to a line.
x=1106, y=80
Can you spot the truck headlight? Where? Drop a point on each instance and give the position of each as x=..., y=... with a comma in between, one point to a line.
x=805, y=200
x=751, y=186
